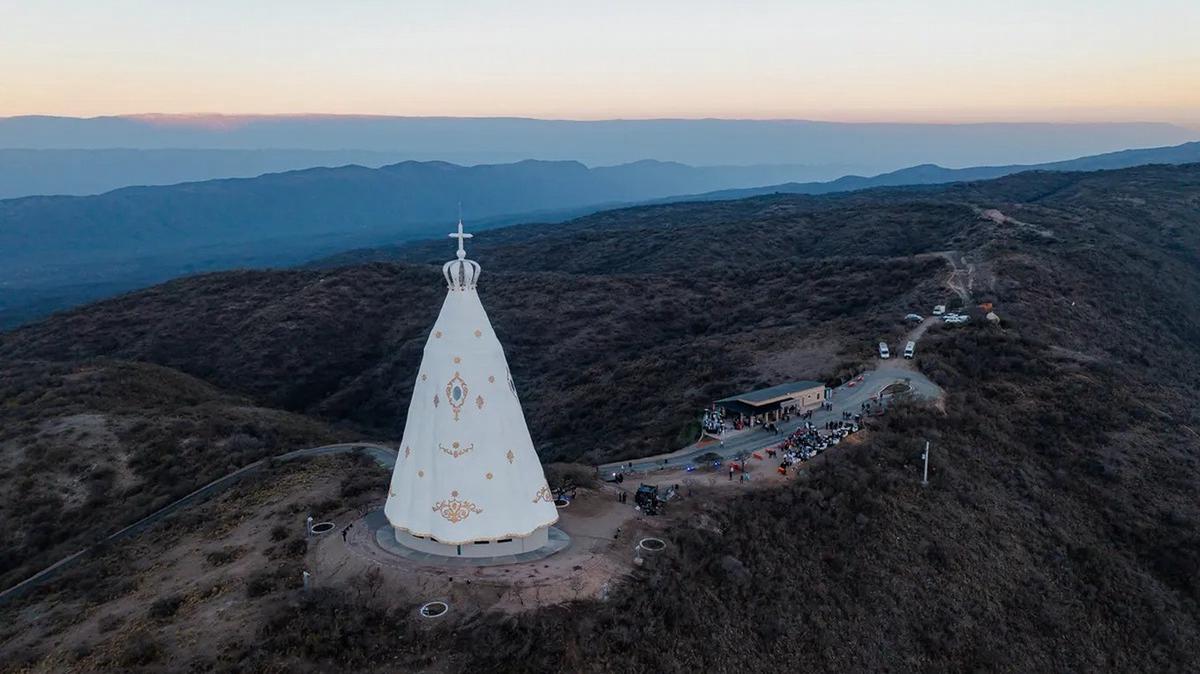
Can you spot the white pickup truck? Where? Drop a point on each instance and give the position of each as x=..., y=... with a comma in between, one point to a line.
x=910, y=349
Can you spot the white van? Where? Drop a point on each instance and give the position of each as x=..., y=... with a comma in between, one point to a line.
x=910, y=349
x=883, y=351
x=939, y=310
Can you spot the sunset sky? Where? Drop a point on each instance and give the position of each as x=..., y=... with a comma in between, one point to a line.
x=856, y=60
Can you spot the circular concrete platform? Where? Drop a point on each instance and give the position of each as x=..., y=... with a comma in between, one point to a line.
x=382, y=542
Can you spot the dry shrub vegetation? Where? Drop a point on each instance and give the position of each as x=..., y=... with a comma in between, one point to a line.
x=1060, y=531
x=170, y=597
x=88, y=447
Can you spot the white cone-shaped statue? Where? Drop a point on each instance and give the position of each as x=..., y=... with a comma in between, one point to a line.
x=467, y=481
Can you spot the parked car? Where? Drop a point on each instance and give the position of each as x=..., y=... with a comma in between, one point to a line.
x=910, y=349
x=939, y=310
x=883, y=351
x=914, y=317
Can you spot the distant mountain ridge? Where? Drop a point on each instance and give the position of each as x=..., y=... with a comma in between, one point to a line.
x=915, y=176
x=932, y=174
x=30, y=172
x=59, y=251
x=401, y=198
x=700, y=142
x=53, y=172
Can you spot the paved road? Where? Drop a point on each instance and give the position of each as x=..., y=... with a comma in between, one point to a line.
x=844, y=397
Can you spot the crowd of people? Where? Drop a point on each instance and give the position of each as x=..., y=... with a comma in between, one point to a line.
x=807, y=441
x=715, y=421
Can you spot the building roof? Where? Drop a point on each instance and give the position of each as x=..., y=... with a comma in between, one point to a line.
x=773, y=394
x=467, y=469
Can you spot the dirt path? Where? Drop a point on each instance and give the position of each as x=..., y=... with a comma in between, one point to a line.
x=913, y=336
x=996, y=216
x=962, y=275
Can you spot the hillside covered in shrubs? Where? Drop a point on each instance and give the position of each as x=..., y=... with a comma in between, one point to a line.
x=1060, y=531
x=87, y=448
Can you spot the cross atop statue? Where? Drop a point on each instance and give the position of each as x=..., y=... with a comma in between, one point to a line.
x=462, y=252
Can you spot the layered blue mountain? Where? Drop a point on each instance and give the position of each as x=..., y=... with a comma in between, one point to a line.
x=874, y=147
x=76, y=172
x=29, y=172
x=59, y=251
x=932, y=174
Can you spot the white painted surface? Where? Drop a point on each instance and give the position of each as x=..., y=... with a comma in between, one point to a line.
x=515, y=546
x=466, y=469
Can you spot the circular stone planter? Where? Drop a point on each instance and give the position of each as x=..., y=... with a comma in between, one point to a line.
x=652, y=545
x=561, y=503
x=323, y=527
x=434, y=609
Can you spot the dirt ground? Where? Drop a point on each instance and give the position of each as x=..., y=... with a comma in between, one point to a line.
x=173, y=595
x=604, y=534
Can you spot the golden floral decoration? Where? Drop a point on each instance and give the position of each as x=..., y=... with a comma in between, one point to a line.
x=456, y=393
x=479, y=402
x=510, y=456
x=456, y=450
x=455, y=509
x=543, y=494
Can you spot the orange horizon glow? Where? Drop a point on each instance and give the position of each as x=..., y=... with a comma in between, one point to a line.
x=858, y=61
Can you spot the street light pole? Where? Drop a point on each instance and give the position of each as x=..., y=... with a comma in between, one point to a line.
x=925, y=480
